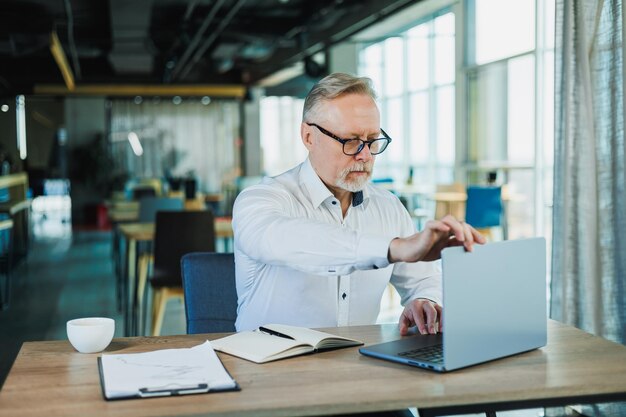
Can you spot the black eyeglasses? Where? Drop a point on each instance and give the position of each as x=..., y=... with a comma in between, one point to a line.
x=354, y=146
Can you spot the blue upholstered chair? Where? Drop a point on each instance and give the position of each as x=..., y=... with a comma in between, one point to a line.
x=210, y=293
x=484, y=209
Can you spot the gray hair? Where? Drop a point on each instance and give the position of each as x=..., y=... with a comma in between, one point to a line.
x=333, y=86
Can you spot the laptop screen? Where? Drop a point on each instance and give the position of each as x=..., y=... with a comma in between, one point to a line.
x=494, y=300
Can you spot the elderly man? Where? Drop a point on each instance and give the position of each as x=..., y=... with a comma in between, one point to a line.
x=317, y=245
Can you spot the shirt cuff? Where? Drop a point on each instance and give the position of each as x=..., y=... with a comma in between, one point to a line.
x=372, y=252
x=428, y=296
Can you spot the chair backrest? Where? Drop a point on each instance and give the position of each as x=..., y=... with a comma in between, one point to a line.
x=210, y=292
x=455, y=187
x=140, y=192
x=178, y=233
x=445, y=207
x=148, y=207
x=484, y=206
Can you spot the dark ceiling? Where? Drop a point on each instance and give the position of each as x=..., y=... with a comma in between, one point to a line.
x=172, y=41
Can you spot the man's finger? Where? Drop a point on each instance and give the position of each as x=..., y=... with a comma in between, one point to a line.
x=478, y=237
x=469, y=238
x=436, y=226
x=418, y=318
x=440, y=316
x=404, y=323
x=455, y=227
x=431, y=317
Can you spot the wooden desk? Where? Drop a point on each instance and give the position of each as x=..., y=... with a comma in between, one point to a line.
x=132, y=233
x=123, y=215
x=50, y=378
x=120, y=212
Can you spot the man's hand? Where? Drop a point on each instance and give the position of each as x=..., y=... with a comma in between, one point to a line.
x=436, y=236
x=424, y=314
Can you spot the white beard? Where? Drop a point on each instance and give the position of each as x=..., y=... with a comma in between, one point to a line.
x=358, y=183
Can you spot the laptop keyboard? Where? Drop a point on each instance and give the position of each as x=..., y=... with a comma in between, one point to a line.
x=432, y=354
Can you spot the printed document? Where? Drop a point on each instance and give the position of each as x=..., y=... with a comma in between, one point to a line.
x=164, y=372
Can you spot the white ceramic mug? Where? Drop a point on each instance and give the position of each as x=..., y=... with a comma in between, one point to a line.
x=91, y=334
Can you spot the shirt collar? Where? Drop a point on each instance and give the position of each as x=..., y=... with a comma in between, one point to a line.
x=318, y=191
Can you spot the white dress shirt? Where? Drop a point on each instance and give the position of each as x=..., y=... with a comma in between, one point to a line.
x=300, y=262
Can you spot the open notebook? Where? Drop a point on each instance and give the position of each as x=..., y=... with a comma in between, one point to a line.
x=278, y=341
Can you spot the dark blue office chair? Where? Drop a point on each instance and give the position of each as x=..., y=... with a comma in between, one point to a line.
x=484, y=208
x=176, y=234
x=148, y=209
x=210, y=292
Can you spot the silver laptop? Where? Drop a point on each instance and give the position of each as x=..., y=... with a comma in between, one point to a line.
x=494, y=302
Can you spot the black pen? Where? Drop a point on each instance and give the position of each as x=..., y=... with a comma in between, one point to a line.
x=275, y=333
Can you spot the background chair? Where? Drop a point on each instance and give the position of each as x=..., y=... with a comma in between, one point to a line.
x=148, y=208
x=140, y=192
x=484, y=208
x=450, y=199
x=210, y=292
x=177, y=233
x=143, y=187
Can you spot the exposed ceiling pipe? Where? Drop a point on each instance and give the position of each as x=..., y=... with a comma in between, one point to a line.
x=196, y=39
x=189, y=10
x=209, y=41
x=59, y=56
x=70, y=38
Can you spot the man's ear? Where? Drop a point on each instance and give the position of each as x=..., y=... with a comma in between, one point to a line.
x=307, y=135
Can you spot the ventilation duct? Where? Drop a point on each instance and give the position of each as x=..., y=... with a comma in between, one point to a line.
x=130, y=30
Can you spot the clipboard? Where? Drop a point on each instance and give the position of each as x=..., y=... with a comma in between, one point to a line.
x=169, y=388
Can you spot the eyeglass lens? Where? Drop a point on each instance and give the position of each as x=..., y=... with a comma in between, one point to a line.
x=354, y=146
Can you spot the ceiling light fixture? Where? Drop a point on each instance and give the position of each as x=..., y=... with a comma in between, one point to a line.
x=133, y=139
x=4, y=108
x=20, y=115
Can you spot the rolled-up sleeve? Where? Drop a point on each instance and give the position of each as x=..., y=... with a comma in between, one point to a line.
x=267, y=228
x=419, y=279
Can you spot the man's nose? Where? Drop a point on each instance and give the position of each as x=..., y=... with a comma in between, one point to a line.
x=365, y=154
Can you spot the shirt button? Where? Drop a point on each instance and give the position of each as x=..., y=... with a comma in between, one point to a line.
x=375, y=267
x=334, y=203
x=344, y=295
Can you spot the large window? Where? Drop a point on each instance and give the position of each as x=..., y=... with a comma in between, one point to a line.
x=458, y=108
x=414, y=75
x=509, y=101
x=280, y=134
